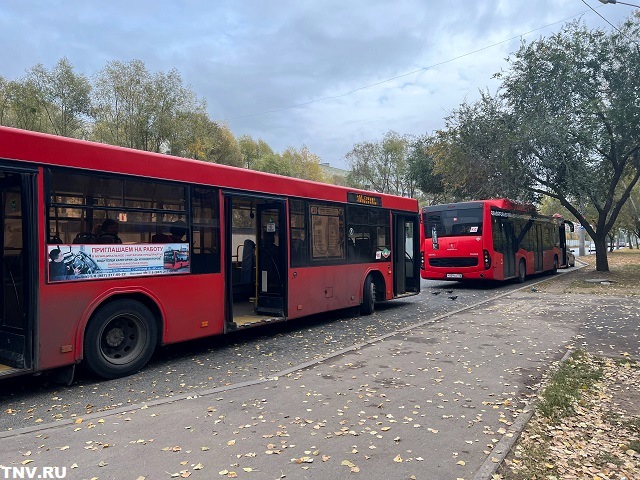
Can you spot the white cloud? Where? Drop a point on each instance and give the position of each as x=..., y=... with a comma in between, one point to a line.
x=249, y=57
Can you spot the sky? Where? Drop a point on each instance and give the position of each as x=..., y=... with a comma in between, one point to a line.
x=323, y=74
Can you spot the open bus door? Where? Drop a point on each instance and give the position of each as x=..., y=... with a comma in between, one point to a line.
x=564, y=249
x=272, y=259
x=407, y=254
x=17, y=270
x=256, y=260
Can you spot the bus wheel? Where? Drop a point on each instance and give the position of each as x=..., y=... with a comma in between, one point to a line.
x=522, y=272
x=120, y=339
x=368, y=297
x=554, y=270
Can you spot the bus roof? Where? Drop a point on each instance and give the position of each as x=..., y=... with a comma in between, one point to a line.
x=41, y=148
x=502, y=203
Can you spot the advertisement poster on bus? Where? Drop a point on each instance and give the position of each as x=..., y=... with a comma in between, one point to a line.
x=84, y=262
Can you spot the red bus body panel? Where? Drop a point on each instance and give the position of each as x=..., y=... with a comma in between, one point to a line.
x=464, y=247
x=319, y=289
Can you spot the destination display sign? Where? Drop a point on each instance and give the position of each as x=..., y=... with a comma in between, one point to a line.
x=363, y=199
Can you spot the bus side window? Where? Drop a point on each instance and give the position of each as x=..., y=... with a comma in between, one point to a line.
x=84, y=237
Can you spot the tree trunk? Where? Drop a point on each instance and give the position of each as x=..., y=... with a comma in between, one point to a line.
x=602, y=262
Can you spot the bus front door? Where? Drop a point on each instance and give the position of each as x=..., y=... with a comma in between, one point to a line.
x=271, y=256
x=17, y=295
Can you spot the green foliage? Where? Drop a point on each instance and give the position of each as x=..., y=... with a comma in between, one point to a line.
x=63, y=96
x=564, y=389
x=382, y=166
x=253, y=150
x=421, y=164
x=292, y=163
x=574, y=97
x=139, y=109
x=565, y=124
x=130, y=106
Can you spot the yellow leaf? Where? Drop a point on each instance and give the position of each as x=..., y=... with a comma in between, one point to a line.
x=461, y=462
x=25, y=462
x=223, y=472
x=347, y=463
x=78, y=420
x=549, y=465
x=398, y=459
x=231, y=442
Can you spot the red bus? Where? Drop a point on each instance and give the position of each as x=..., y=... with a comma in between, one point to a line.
x=175, y=259
x=83, y=267
x=489, y=239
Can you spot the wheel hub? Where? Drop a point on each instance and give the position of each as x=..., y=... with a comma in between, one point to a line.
x=114, y=337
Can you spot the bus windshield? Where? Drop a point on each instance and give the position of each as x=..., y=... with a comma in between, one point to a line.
x=454, y=222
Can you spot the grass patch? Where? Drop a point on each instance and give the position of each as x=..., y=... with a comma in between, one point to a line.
x=566, y=385
x=564, y=389
x=560, y=441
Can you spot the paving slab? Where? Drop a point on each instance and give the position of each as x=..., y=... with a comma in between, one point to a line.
x=430, y=402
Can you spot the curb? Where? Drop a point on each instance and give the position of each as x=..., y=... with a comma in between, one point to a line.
x=509, y=439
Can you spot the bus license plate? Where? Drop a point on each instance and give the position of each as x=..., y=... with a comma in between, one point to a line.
x=454, y=275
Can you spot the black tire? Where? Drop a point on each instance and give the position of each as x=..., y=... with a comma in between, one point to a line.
x=120, y=339
x=554, y=270
x=522, y=272
x=368, y=297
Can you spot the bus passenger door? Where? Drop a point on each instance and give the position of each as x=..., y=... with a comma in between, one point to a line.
x=510, y=249
x=272, y=259
x=17, y=295
x=406, y=268
x=538, y=250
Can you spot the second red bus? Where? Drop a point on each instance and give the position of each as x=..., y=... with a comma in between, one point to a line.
x=490, y=240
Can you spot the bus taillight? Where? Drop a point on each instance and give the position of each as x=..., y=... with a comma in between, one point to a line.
x=487, y=259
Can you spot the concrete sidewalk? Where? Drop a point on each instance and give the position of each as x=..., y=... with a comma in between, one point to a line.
x=430, y=402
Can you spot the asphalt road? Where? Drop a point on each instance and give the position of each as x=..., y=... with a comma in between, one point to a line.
x=218, y=361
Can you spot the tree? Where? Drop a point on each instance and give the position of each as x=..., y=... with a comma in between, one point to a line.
x=225, y=147
x=64, y=97
x=121, y=104
x=421, y=163
x=565, y=124
x=382, y=166
x=274, y=163
x=25, y=106
x=253, y=150
x=304, y=164
x=473, y=155
x=5, y=101
x=575, y=99
x=137, y=109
